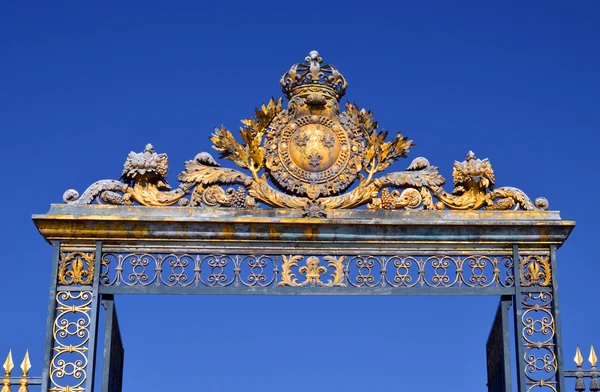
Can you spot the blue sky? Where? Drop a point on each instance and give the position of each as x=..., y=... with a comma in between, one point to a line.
x=82, y=84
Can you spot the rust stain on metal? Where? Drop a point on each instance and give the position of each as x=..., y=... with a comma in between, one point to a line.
x=311, y=232
x=227, y=231
x=273, y=233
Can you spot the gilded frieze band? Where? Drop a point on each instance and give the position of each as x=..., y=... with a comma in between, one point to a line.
x=224, y=270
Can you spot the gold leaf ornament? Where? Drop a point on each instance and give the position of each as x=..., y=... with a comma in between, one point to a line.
x=307, y=154
x=313, y=271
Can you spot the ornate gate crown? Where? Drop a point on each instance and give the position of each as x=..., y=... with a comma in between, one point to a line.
x=312, y=153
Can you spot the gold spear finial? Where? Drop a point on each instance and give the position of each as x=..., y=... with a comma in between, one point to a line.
x=578, y=357
x=26, y=364
x=8, y=364
x=8, y=367
x=592, y=358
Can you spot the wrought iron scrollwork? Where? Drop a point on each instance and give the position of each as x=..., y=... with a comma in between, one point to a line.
x=71, y=333
x=538, y=331
x=397, y=271
x=183, y=270
x=432, y=271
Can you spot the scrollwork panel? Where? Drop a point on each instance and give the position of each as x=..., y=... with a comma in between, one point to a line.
x=365, y=271
x=368, y=271
x=257, y=271
x=538, y=331
x=71, y=335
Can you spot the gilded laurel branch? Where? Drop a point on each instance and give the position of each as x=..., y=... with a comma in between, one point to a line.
x=310, y=156
x=76, y=268
x=535, y=271
x=250, y=154
x=379, y=154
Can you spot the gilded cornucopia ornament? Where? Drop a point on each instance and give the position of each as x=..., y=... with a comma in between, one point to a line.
x=307, y=156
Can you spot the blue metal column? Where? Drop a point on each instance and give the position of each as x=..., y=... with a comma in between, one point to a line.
x=50, y=320
x=505, y=304
x=518, y=322
x=557, y=326
x=498, y=350
x=93, y=331
x=112, y=368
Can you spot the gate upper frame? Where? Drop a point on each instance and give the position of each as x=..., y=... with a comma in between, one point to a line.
x=314, y=166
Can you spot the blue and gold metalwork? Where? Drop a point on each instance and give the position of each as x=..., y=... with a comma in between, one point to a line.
x=76, y=268
x=24, y=381
x=71, y=336
x=314, y=162
x=223, y=270
x=538, y=329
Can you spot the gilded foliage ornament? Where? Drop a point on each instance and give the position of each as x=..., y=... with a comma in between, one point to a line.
x=308, y=155
x=312, y=271
x=535, y=271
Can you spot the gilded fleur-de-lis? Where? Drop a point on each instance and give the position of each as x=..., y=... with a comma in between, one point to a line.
x=76, y=268
x=312, y=270
x=538, y=272
x=534, y=271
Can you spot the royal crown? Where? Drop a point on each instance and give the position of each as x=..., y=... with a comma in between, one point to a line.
x=313, y=74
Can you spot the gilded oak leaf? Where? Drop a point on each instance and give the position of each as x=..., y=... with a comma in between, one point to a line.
x=426, y=177
x=197, y=172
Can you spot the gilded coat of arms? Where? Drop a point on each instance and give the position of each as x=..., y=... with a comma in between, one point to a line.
x=310, y=149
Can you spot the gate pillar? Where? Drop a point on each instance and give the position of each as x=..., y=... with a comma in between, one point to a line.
x=498, y=349
x=112, y=367
x=72, y=325
x=537, y=333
